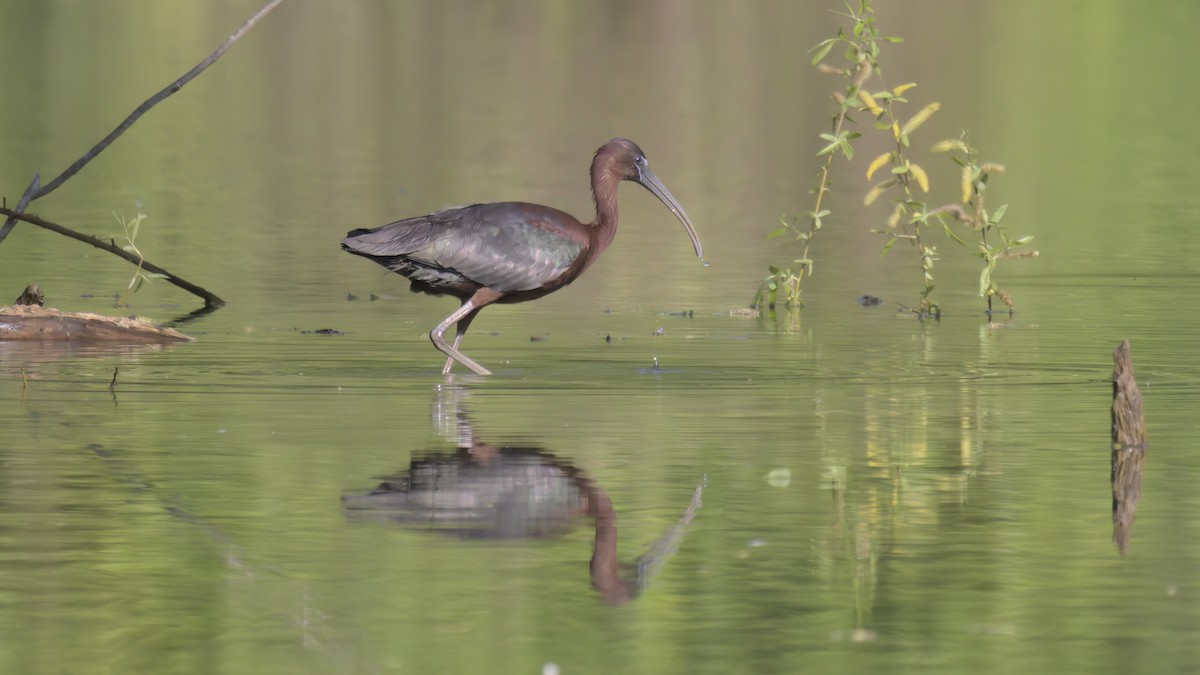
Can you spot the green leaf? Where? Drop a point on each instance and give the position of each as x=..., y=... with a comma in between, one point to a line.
x=129, y=248
x=778, y=233
x=888, y=245
x=951, y=233
x=820, y=214
x=985, y=280
x=893, y=39
x=773, y=270
x=999, y=214
x=1023, y=240
x=154, y=275
x=822, y=50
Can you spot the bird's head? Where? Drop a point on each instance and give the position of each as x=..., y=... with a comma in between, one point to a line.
x=622, y=159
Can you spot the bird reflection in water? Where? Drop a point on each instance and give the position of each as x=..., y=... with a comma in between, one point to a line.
x=483, y=491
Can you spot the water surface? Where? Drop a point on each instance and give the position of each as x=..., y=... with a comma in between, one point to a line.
x=880, y=493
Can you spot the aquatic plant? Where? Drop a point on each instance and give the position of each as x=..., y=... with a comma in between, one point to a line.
x=910, y=217
x=973, y=185
x=862, y=54
x=130, y=230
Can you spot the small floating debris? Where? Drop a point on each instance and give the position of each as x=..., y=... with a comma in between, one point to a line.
x=322, y=331
x=652, y=370
x=869, y=301
x=855, y=635
x=350, y=297
x=687, y=314
x=779, y=478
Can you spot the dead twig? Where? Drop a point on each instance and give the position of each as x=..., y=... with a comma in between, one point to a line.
x=153, y=101
x=211, y=301
x=34, y=192
x=21, y=204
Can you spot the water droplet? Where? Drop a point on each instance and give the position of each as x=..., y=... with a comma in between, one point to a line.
x=704, y=261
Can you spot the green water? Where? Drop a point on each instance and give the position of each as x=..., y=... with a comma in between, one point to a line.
x=938, y=499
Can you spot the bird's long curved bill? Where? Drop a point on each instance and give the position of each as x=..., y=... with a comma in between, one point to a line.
x=651, y=182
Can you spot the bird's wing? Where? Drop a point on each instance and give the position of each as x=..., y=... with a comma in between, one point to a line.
x=507, y=246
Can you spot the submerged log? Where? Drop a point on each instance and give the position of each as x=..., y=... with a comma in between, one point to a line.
x=1128, y=447
x=31, y=322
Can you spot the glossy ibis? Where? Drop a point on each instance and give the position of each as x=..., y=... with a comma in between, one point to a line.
x=507, y=251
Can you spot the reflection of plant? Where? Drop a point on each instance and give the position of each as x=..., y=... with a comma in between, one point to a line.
x=130, y=229
x=973, y=185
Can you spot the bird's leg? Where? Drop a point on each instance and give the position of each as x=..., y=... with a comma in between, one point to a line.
x=463, y=317
x=460, y=331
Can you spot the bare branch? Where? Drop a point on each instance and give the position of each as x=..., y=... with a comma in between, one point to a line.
x=210, y=300
x=25, y=199
x=33, y=192
x=155, y=100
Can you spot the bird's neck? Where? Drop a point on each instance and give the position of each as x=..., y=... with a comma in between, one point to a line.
x=604, y=192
